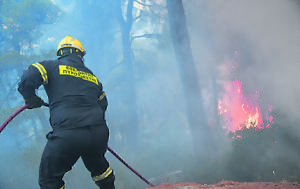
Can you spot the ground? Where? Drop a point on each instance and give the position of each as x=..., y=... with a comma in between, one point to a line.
x=231, y=185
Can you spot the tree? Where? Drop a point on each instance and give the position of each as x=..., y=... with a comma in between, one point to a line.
x=21, y=23
x=194, y=102
x=149, y=11
x=127, y=82
x=20, y=29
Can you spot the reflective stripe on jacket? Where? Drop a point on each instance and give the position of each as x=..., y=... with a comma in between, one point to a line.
x=72, y=89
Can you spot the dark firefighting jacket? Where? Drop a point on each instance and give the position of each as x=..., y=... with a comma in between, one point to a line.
x=75, y=95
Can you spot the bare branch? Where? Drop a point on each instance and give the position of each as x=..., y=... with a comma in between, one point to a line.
x=147, y=35
x=151, y=5
x=136, y=18
x=143, y=4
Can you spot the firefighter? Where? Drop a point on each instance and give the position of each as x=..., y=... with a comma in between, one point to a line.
x=77, y=106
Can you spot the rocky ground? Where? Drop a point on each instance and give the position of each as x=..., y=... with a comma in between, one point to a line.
x=231, y=185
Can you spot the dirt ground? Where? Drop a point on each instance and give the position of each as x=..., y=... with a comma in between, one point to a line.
x=231, y=185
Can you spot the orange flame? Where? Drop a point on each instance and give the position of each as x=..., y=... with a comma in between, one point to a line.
x=238, y=111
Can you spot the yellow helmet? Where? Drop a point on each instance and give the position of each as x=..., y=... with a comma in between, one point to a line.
x=71, y=42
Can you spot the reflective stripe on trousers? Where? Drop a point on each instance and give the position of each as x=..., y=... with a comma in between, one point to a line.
x=103, y=175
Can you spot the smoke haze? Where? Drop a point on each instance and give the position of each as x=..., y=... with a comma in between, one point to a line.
x=266, y=35
x=259, y=39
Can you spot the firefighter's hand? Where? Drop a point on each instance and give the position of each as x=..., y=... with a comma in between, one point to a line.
x=34, y=102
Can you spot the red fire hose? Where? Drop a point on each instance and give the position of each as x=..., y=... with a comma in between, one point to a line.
x=109, y=149
x=12, y=117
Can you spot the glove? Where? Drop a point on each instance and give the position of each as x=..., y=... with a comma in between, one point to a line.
x=34, y=102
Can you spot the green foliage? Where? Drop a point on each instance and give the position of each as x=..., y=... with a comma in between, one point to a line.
x=21, y=21
x=270, y=154
x=20, y=28
x=12, y=58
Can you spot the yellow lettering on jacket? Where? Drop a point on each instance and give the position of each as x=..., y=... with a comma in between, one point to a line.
x=68, y=70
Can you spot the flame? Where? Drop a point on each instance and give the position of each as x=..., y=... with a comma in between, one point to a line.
x=240, y=112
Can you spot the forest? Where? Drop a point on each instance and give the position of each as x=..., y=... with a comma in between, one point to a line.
x=198, y=91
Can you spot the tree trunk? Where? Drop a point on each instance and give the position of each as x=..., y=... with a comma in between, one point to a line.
x=194, y=103
x=129, y=119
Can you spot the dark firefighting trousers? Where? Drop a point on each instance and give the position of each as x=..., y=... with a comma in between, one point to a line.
x=65, y=147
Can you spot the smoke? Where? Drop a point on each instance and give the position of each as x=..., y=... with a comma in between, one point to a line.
x=260, y=39
x=258, y=43
x=266, y=37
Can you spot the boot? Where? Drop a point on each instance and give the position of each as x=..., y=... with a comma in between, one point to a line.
x=107, y=183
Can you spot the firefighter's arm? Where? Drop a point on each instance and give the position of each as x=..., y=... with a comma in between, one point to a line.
x=102, y=101
x=31, y=80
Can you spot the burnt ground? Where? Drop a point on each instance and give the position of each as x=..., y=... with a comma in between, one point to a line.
x=231, y=185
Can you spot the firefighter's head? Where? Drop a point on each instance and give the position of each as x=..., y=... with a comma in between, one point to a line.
x=70, y=45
